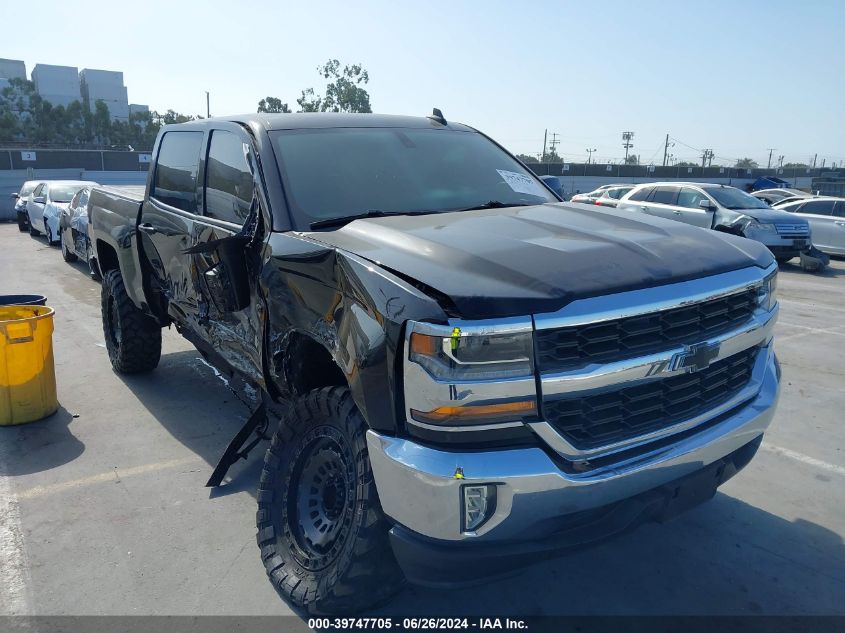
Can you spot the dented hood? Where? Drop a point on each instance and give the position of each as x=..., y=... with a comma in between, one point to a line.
x=523, y=260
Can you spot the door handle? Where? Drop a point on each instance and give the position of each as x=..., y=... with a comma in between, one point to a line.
x=839, y=223
x=147, y=228
x=676, y=212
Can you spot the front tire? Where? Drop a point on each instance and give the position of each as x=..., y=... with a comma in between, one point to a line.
x=48, y=233
x=33, y=231
x=66, y=254
x=133, y=339
x=23, y=224
x=323, y=537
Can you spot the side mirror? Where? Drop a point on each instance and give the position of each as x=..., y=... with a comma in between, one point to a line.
x=707, y=205
x=15, y=195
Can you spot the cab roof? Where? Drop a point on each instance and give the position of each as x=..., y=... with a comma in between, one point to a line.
x=324, y=120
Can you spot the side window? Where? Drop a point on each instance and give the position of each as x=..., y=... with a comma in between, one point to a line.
x=664, y=195
x=39, y=191
x=176, y=170
x=839, y=211
x=819, y=207
x=690, y=198
x=75, y=202
x=641, y=194
x=228, y=181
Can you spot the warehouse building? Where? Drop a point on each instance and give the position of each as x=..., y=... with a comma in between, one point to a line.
x=106, y=86
x=57, y=84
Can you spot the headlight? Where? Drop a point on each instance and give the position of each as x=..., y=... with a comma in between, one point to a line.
x=472, y=377
x=465, y=357
x=767, y=292
x=759, y=226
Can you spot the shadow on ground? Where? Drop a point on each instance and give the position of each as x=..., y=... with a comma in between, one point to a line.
x=725, y=557
x=39, y=446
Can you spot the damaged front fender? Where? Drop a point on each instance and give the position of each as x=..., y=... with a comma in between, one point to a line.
x=352, y=308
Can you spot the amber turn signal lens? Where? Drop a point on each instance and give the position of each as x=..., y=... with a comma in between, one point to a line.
x=503, y=412
x=423, y=344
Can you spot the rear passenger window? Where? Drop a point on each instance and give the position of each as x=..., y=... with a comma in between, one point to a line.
x=819, y=207
x=228, y=181
x=690, y=198
x=665, y=195
x=839, y=211
x=176, y=170
x=641, y=194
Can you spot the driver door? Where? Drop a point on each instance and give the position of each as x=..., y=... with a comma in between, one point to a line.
x=689, y=203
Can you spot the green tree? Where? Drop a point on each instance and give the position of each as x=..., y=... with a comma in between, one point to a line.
x=686, y=163
x=525, y=158
x=344, y=90
x=796, y=165
x=633, y=159
x=552, y=156
x=101, y=122
x=272, y=104
x=746, y=163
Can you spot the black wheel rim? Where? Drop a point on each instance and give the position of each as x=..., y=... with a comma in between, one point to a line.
x=321, y=500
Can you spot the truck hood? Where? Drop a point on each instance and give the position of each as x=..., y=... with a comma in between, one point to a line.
x=524, y=260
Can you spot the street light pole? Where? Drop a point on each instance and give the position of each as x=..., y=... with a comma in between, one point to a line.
x=207, y=105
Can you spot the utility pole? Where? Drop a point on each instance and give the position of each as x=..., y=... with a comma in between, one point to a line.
x=707, y=155
x=545, y=135
x=590, y=155
x=780, y=160
x=666, y=149
x=626, y=143
x=815, y=156
x=207, y=105
x=553, y=143
x=823, y=160
x=771, y=149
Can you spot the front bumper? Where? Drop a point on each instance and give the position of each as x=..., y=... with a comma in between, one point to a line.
x=781, y=245
x=536, y=495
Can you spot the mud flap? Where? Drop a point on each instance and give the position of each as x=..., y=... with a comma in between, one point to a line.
x=813, y=260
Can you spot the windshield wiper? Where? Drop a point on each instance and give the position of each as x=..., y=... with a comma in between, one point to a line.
x=372, y=213
x=495, y=204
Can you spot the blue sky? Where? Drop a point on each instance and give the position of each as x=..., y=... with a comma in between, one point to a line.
x=738, y=77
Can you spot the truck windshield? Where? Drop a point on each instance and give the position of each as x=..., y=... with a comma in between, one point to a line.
x=732, y=198
x=339, y=172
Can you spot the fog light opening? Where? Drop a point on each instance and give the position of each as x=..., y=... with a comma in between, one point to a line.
x=479, y=504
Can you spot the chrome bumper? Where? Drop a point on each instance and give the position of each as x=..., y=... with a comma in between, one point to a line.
x=418, y=488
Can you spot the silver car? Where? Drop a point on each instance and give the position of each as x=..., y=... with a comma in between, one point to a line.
x=722, y=208
x=46, y=203
x=826, y=216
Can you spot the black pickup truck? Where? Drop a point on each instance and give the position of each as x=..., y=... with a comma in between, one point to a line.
x=463, y=373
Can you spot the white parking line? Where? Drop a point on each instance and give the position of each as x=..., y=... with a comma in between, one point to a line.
x=806, y=459
x=807, y=331
x=14, y=567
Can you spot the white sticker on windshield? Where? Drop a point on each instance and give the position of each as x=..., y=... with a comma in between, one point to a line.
x=521, y=183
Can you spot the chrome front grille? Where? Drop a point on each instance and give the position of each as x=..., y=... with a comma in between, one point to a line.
x=617, y=339
x=793, y=230
x=626, y=413
x=620, y=371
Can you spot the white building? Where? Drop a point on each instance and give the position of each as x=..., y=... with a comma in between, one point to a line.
x=12, y=69
x=138, y=108
x=106, y=86
x=57, y=84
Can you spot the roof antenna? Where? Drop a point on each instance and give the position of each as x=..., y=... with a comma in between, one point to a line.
x=437, y=115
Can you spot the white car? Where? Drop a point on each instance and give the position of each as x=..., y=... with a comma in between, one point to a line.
x=46, y=203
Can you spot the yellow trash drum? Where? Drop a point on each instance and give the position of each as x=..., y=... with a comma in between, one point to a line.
x=27, y=372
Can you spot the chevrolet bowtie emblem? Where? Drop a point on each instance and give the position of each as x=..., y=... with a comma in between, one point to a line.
x=695, y=357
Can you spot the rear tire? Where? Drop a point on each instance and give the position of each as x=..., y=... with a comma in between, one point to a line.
x=133, y=339
x=66, y=254
x=23, y=224
x=323, y=536
x=33, y=231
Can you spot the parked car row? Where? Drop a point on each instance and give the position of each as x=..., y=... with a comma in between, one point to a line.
x=788, y=221
x=58, y=209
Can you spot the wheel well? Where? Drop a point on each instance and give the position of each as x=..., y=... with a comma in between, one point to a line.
x=308, y=365
x=106, y=257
